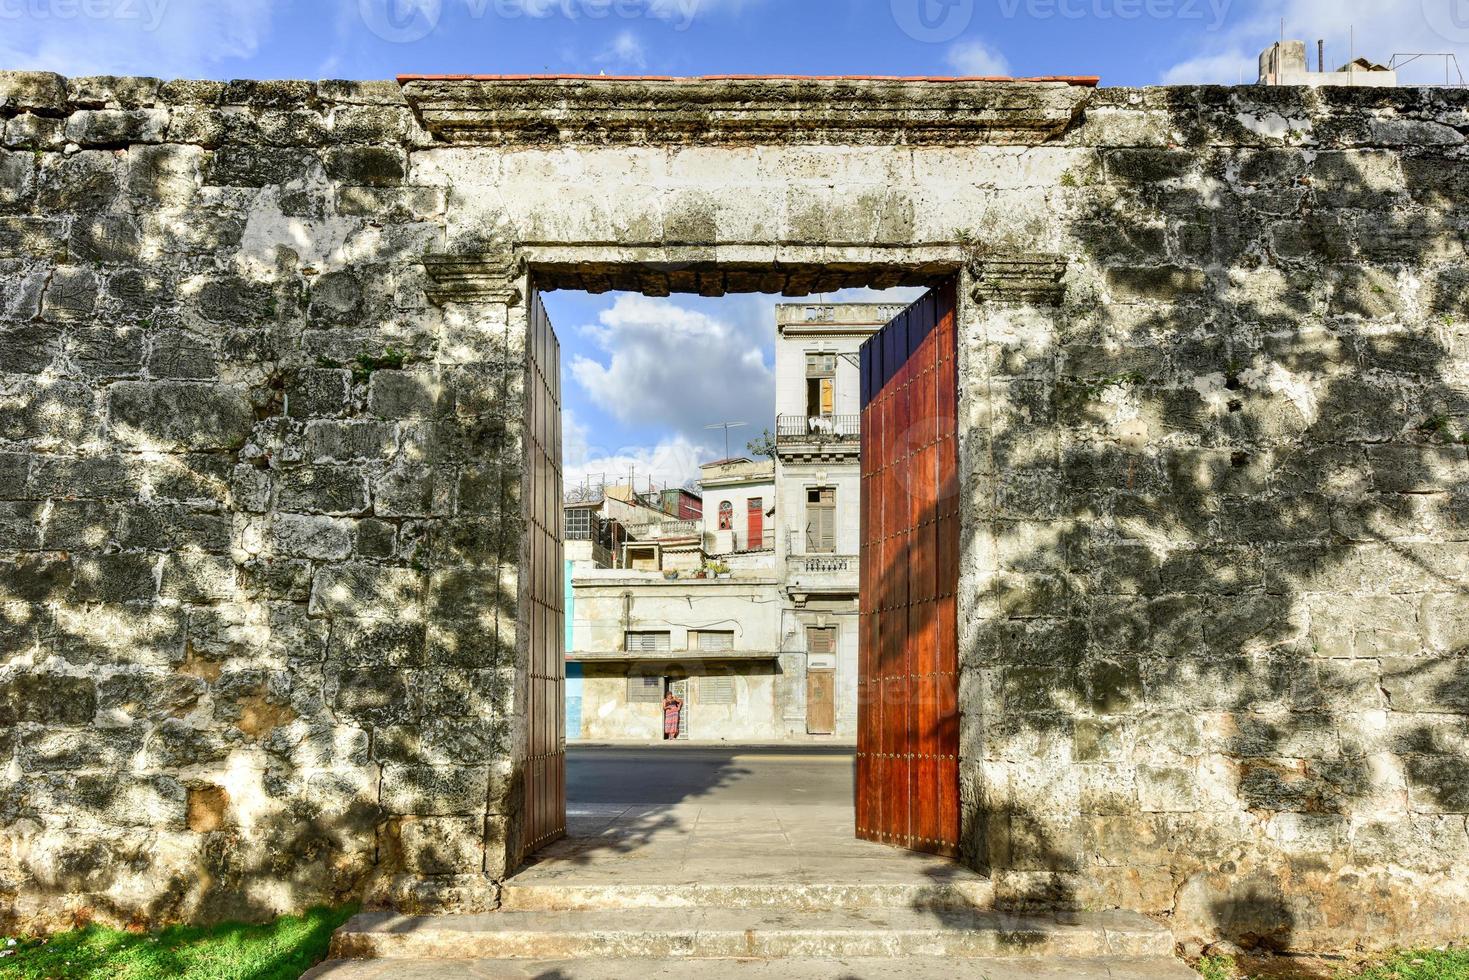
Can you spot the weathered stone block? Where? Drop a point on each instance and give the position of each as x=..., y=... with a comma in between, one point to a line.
x=442, y=845
x=116, y=578
x=367, y=591
x=371, y=166
x=175, y=416
x=1160, y=283
x=322, y=538
x=32, y=90
x=445, y=790
x=322, y=489
x=117, y=127
x=348, y=441
x=48, y=699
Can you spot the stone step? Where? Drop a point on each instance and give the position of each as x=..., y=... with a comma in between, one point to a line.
x=718, y=933
x=575, y=896
x=912, y=968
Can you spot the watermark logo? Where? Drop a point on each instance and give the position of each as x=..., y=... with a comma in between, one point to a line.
x=1214, y=12
x=401, y=21
x=406, y=21
x=149, y=13
x=933, y=21
x=1449, y=19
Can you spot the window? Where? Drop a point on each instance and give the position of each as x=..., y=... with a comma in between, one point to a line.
x=647, y=641
x=713, y=641
x=644, y=690
x=821, y=520
x=726, y=516
x=821, y=639
x=717, y=689
x=821, y=370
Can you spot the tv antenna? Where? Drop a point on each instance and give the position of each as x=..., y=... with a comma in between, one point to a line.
x=726, y=426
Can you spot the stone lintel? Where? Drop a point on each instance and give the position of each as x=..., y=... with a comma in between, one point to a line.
x=834, y=111
x=488, y=277
x=1032, y=278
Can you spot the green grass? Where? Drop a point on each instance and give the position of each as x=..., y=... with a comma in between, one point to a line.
x=1448, y=965
x=1415, y=965
x=279, y=950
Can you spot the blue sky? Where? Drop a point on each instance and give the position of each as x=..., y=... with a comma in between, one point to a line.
x=636, y=396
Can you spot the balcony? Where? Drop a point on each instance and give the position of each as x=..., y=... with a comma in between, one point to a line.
x=817, y=430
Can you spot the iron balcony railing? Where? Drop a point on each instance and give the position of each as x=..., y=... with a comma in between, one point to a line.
x=817, y=428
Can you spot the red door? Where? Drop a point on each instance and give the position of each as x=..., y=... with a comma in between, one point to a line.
x=755, y=521
x=908, y=661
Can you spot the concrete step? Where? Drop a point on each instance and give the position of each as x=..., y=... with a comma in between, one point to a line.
x=913, y=968
x=721, y=933
x=814, y=896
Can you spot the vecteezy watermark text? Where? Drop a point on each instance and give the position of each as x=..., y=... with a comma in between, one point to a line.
x=1213, y=11
x=149, y=12
x=406, y=21
x=1449, y=19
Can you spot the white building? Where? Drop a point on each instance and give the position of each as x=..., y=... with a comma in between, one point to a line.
x=818, y=495
x=753, y=622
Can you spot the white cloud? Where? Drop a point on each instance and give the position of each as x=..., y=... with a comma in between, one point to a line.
x=977, y=58
x=678, y=368
x=170, y=38
x=625, y=52
x=673, y=461
x=1382, y=28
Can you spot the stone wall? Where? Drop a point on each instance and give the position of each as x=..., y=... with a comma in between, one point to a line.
x=1217, y=650
x=263, y=486
x=251, y=503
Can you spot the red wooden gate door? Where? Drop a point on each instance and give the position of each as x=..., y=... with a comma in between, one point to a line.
x=908, y=659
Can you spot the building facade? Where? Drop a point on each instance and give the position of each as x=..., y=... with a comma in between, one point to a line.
x=778, y=548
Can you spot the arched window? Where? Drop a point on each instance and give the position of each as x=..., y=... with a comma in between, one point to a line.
x=726, y=516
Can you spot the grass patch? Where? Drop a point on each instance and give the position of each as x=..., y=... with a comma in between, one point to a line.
x=279, y=950
x=1431, y=965
x=1452, y=964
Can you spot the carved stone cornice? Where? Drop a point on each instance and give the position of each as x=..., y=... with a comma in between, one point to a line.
x=1034, y=278
x=486, y=277
x=552, y=110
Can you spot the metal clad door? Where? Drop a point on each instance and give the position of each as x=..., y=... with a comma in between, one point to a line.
x=908, y=684
x=544, y=801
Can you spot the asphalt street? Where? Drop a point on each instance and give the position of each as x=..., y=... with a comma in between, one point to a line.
x=794, y=775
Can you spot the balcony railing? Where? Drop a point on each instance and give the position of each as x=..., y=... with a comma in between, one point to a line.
x=665, y=529
x=818, y=429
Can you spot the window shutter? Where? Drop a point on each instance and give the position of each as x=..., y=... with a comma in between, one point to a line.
x=821, y=639
x=644, y=690
x=647, y=642
x=715, y=640
x=716, y=689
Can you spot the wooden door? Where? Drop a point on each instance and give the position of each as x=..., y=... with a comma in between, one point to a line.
x=821, y=702
x=908, y=670
x=543, y=802
x=755, y=524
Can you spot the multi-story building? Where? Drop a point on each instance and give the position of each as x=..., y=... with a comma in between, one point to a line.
x=818, y=487
x=750, y=613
